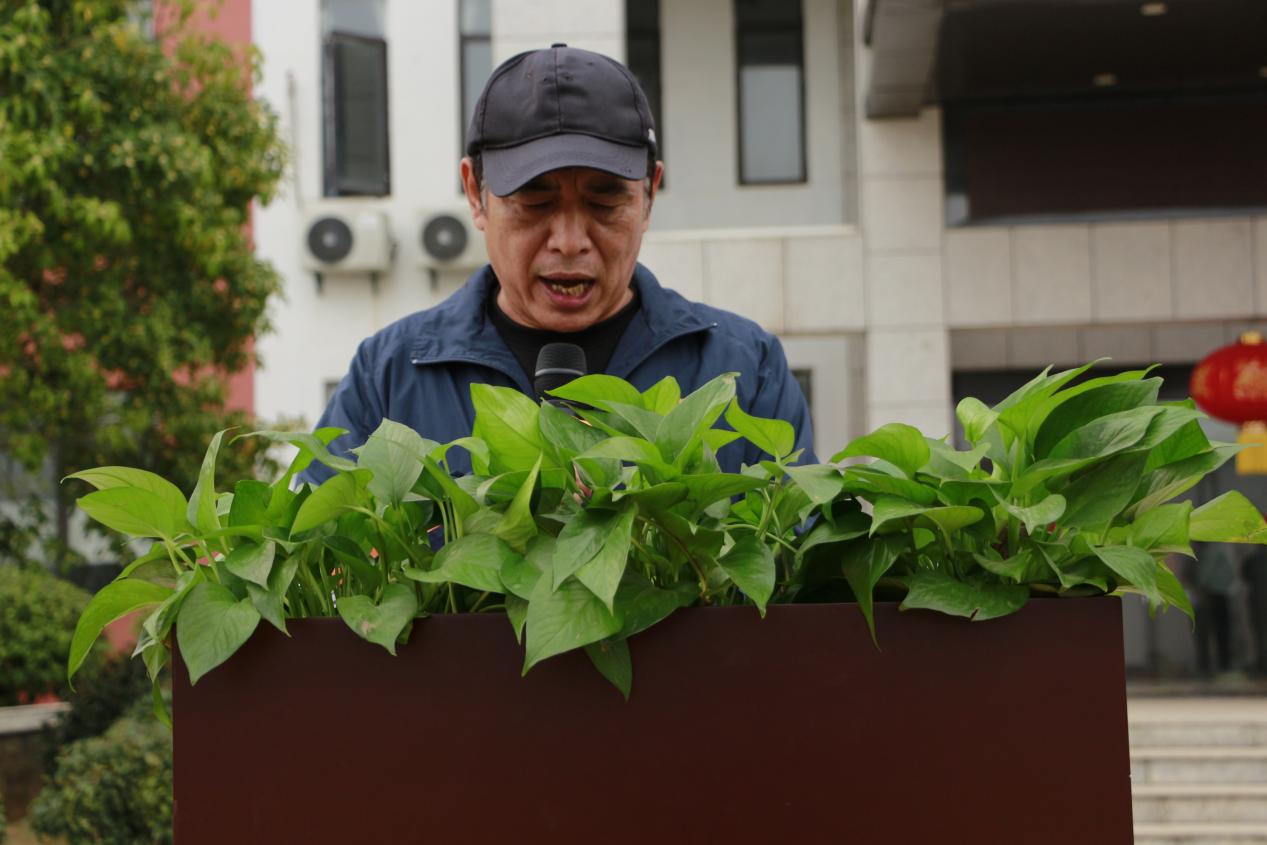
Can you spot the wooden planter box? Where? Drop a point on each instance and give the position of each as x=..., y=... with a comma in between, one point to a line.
x=789, y=729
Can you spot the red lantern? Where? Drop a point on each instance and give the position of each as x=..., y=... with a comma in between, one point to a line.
x=1231, y=384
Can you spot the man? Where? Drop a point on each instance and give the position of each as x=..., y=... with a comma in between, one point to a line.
x=560, y=174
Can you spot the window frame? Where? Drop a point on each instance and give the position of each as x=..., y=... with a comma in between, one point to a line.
x=465, y=39
x=803, y=159
x=333, y=186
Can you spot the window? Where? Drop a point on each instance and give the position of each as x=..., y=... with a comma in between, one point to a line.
x=354, y=93
x=770, y=68
x=1107, y=159
x=476, y=55
x=642, y=53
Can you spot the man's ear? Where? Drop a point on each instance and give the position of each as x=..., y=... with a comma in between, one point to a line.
x=472, y=190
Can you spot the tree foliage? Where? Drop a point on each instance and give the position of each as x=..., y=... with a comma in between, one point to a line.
x=128, y=283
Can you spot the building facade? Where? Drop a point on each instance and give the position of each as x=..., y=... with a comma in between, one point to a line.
x=923, y=198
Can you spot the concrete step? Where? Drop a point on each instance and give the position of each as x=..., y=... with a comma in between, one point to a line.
x=1197, y=722
x=1240, y=803
x=1199, y=764
x=1200, y=834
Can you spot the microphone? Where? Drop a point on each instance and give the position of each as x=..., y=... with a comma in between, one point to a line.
x=557, y=364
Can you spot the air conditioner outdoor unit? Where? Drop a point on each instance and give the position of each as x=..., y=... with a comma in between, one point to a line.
x=449, y=241
x=347, y=241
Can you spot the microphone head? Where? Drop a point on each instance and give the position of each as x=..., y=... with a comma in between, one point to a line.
x=557, y=364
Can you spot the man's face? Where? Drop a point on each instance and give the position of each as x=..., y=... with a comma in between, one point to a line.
x=564, y=245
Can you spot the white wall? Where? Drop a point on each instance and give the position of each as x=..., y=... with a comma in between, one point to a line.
x=700, y=124
x=315, y=335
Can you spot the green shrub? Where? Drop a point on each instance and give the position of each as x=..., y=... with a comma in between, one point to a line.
x=107, y=686
x=115, y=789
x=37, y=617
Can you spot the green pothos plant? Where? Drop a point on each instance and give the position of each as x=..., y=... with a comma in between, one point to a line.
x=593, y=516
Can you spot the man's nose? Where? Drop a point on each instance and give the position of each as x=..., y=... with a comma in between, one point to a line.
x=569, y=231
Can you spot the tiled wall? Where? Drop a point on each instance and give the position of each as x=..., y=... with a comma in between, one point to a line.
x=1131, y=272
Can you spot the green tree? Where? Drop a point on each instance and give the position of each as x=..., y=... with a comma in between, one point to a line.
x=128, y=283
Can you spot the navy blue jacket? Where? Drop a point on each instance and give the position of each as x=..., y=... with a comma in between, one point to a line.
x=419, y=370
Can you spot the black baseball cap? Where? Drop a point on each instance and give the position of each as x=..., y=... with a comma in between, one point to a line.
x=561, y=107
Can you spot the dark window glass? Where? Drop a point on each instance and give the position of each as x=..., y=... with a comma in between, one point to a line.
x=1113, y=158
x=769, y=51
x=642, y=57
x=805, y=378
x=475, y=46
x=355, y=92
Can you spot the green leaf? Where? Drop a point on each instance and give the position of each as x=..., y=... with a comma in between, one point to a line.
x=394, y=454
x=211, y=626
x=201, y=512
x=643, y=604
x=1163, y=529
x=611, y=658
x=901, y=445
x=975, y=417
x=566, y=433
x=1107, y=435
x=776, y=438
x=1095, y=498
x=1021, y=568
x=1173, y=592
x=508, y=421
x=311, y=447
x=602, y=573
x=1231, y=518
x=380, y=623
x=250, y=503
x=711, y=487
x=106, y=478
x=474, y=446
x=1163, y=484
x=1134, y=566
x=270, y=600
x=581, y=539
x=517, y=613
x=1037, y=516
x=694, y=415
x=252, y=562
x=864, y=563
x=821, y=482
x=663, y=396
x=517, y=525
x=975, y=599
x=847, y=527
x=750, y=564
x=948, y=518
x=462, y=501
x=137, y=512
x=599, y=391
x=870, y=482
x=114, y=601
x=330, y=500
x=159, y=623
x=474, y=561
x=563, y=619
x=633, y=420
x=1015, y=411
x=632, y=450
x=947, y=463
x=1065, y=415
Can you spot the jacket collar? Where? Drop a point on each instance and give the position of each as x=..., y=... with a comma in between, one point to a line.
x=458, y=329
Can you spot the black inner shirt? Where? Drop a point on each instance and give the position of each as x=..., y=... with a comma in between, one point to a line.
x=599, y=340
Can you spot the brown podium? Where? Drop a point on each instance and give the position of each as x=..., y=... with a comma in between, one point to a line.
x=791, y=729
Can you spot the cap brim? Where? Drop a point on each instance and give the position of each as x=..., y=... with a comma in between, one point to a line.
x=507, y=170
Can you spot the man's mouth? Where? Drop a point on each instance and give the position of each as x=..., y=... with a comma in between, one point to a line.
x=568, y=286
